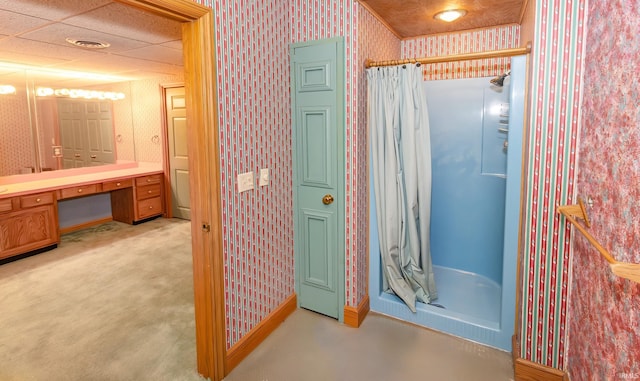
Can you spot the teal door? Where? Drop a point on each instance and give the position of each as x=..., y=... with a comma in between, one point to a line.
x=318, y=163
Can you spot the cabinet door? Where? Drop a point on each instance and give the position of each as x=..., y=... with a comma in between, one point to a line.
x=27, y=230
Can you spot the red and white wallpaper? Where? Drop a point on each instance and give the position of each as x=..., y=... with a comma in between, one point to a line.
x=255, y=132
x=604, y=329
x=252, y=42
x=255, y=122
x=473, y=41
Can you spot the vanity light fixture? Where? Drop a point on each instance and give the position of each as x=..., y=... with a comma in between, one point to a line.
x=7, y=89
x=79, y=93
x=450, y=15
x=63, y=73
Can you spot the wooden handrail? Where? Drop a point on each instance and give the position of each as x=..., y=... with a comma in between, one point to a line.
x=629, y=271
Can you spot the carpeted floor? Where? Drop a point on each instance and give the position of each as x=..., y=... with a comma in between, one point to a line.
x=114, y=302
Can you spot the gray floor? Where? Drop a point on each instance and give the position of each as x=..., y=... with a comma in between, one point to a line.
x=310, y=347
x=53, y=313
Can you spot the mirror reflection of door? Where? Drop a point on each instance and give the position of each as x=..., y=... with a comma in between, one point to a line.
x=86, y=132
x=178, y=152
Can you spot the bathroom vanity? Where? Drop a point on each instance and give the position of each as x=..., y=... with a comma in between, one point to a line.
x=29, y=209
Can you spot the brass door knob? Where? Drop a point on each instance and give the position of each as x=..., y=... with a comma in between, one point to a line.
x=327, y=199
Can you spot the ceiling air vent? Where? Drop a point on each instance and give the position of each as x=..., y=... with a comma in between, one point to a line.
x=88, y=43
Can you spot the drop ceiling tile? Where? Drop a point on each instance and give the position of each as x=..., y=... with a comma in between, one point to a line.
x=15, y=23
x=51, y=9
x=57, y=34
x=41, y=49
x=129, y=22
x=119, y=65
x=157, y=53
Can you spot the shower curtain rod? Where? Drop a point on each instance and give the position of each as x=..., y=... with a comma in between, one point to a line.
x=451, y=58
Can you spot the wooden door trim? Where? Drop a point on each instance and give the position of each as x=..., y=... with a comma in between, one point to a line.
x=166, y=167
x=204, y=178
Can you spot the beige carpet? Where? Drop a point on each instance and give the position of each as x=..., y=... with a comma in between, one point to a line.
x=113, y=302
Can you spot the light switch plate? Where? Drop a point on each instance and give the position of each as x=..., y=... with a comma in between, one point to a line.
x=245, y=182
x=263, y=178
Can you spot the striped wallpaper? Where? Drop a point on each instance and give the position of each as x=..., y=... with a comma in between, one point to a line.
x=252, y=42
x=255, y=114
x=555, y=115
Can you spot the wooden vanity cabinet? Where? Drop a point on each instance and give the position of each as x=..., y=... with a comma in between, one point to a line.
x=28, y=223
x=137, y=203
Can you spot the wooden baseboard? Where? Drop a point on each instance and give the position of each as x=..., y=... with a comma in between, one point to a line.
x=260, y=332
x=85, y=225
x=525, y=370
x=353, y=317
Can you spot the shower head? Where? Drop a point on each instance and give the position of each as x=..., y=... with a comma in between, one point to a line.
x=499, y=81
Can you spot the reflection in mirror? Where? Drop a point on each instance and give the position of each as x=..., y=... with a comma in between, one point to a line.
x=39, y=135
x=17, y=151
x=68, y=44
x=47, y=128
x=74, y=129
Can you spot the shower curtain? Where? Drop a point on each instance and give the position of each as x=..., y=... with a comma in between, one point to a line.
x=401, y=156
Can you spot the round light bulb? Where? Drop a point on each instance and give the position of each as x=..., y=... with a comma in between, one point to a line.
x=450, y=15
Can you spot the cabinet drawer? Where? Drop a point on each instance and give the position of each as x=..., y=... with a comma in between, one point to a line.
x=148, y=191
x=147, y=180
x=5, y=205
x=79, y=191
x=108, y=186
x=36, y=199
x=149, y=207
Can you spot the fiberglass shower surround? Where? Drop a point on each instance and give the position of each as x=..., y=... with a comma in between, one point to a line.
x=476, y=135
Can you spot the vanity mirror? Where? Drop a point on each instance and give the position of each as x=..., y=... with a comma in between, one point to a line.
x=49, y=125
x=46, y=122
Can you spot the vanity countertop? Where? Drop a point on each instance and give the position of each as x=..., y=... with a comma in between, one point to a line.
x=35, y=185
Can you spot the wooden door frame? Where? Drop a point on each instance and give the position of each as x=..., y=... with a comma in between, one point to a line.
x=204, y=175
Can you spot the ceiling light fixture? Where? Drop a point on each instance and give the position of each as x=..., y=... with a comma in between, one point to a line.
x=450, y=15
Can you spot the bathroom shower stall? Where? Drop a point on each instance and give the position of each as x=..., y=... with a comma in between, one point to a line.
x=476, y=159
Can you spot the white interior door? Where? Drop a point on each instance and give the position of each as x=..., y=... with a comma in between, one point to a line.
x=178, y=152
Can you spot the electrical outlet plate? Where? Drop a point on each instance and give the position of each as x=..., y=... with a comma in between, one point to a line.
x=245, y=182
x=263, y=178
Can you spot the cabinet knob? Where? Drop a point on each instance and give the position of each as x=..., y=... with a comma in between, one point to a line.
x=151, y=207
x=38, y=199
x=148, y=180
x=80, y=190
x=149, y=192
x=117, y=184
